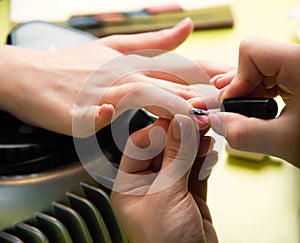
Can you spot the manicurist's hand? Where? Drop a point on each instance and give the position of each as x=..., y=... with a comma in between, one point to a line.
x=265, y=69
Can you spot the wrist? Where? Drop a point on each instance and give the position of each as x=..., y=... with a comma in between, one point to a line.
x=7, y=60
x=13, y=65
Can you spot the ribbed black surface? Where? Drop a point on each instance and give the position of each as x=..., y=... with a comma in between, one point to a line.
x=83, y=218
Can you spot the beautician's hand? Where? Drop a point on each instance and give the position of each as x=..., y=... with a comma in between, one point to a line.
x=266, y=69
x=157, y=196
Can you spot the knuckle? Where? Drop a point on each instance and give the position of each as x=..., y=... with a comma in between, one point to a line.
x=185, y=91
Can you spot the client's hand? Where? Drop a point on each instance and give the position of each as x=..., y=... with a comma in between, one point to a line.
x=52, y=89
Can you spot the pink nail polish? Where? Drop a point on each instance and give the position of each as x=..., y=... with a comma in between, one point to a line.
x=202, y=121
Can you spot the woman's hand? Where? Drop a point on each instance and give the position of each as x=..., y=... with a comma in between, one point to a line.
x=157, y=194
x=266, y=69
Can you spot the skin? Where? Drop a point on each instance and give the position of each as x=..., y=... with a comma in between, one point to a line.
x=45, y=88
x=265, y=69
x=148, y=210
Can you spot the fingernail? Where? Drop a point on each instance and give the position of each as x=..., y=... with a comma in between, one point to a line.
x=216, y=122
x=209, y=162
x=197, y=102
x=195, y=99
x=204, y=140
x=202, y=121
x=104, y=108
x=183, y=22
x=216, y=77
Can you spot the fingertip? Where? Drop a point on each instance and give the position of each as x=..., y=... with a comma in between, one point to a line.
x=237, y=88
x=179, y=32
x=197, y=102
x=227, y=90
x=106, y=110
x=202, y=121
x=206, y=146
x=215, y=79
x=217, y=123
x=185, y=23
x=104, y=115
x=222, y=121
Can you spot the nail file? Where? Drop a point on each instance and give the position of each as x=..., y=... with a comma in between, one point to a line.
x=263, y=108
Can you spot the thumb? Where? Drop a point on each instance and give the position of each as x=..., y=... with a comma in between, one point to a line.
x=248, y=134
x=167, y=39
x=179, y=154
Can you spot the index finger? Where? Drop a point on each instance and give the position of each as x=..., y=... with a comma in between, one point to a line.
x=258, y=58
